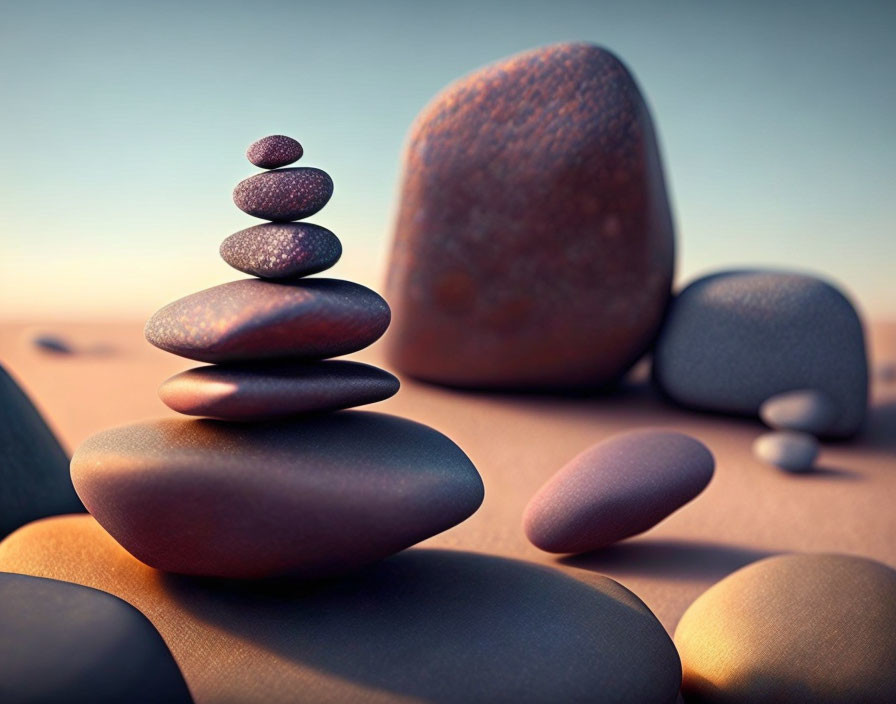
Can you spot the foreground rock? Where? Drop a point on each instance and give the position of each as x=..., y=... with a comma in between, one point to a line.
x=268, y=390
x=251, y=320
x=313, y=497
x=67, y=643
x=274, y=151
x=282, y=250
x=793, y=628
x=617, y=488
x=534, y=242
x=789, y=450
x=407, y=629
x=736, y=338
x=33, y=466
x=284, y=194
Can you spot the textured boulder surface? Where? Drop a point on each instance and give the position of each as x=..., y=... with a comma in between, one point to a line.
x=534, y=240
x=734, y=339
x=68, y=643
x=793, y=628
x=310, y=497
x=441, y=626
x=33, y=466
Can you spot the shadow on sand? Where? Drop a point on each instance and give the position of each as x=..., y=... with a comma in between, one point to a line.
x=447, y=626
x=667, y=559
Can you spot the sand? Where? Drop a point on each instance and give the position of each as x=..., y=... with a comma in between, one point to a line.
x=748, y=511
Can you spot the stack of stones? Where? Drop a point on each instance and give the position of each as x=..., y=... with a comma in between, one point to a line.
x=274, y=481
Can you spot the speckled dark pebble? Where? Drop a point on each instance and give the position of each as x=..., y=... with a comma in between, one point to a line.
x=534, y=242
x=268, y=390
x=253, y=319
x=274, y=151
x=63, y=642
x=282, y=250
x=285, y=194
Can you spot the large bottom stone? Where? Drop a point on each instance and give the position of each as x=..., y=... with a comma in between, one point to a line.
x=63, y=642
x=426, y=625
x=311, y=497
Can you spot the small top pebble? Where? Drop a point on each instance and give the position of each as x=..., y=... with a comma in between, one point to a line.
x=807, y=410
x=274, y=151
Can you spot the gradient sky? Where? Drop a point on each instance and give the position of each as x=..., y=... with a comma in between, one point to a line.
x=124, y=127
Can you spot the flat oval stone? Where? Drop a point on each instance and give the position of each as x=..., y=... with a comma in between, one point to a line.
x=793, y=628
x=284, y=194
x=312, y=497
x=617, y=488
x=282, y=250
x=787, y=449
x=68, y=643
x=733, y=339
x=34, y=476
x=274, y=151
x=534, y=243
x=441, y=626
x=251, y=319
x=805, y=410
x=265, y=391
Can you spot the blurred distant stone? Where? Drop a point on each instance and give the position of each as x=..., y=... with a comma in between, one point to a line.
x=52, y=343
x=886, y=372
x=789, y=450
x=534, y=242
x=34, y=471
x=806, y=410
x=274, y=151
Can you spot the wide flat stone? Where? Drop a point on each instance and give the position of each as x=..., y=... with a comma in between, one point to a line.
x=251, y=319
x=426, y=625
x=793, y=628
x=65, y=642
x=271, y=390
x=34, y=476
x=310, y=497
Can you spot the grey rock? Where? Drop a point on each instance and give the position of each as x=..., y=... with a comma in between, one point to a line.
x=68, y=643
x=282, y=250
x=806, y=410
x=787, y=449
x=34, y=472
x=733, y=339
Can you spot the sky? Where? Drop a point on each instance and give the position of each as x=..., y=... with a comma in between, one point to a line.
x=124, y=127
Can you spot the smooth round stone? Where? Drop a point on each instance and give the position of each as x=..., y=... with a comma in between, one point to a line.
x=733, y=339
x=793, y=628
x=68, y=643
x=617, y=488
x=534, y=244
x=251, y=320
x=310, y=497
x=284, y=194
x=805, y=410
x=787, y=449
x=282, y=250
x=439, y=626
x=274, y=151
x=34, y=476
x=265, y=391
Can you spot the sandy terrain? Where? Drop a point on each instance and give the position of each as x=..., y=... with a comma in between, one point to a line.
x=748, y=511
